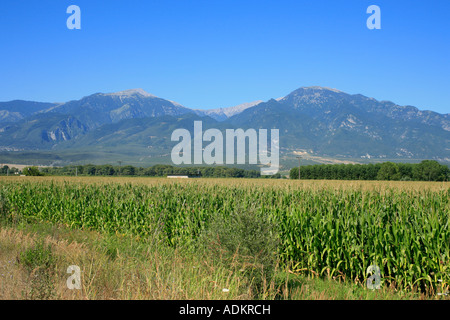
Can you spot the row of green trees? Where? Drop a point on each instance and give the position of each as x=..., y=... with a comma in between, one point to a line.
x=5, y=170
x=154, y=171
x=427, y=170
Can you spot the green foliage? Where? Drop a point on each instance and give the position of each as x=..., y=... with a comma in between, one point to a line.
x=31, y=171
x=4, y=207
x=388, y=171
x=341, y=232
x=5, y=170
x=427, y=170
x=39, y=256
x=154, y=171
x=245, y=240
x=40, y=263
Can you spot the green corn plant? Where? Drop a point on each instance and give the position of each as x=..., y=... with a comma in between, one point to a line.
x=323, y=231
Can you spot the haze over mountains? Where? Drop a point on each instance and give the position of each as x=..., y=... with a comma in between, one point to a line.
x=314, y=121
x=222, y=114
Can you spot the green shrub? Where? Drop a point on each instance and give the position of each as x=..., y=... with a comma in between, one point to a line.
x=244, y=241
x=31, y=171
x=40, y=264
x=4, y=207
x=38, y=256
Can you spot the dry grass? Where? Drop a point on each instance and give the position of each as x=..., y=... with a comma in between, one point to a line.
x=149, y=273
x=155, y=275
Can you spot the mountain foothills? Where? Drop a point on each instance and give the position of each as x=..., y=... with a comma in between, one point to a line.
x=316, y=122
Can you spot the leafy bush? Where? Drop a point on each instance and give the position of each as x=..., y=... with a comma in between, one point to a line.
x=4, y=207
x=244, y=241
x=40, y=264
x=39, y=256
x=388, y=171
x=31, y=171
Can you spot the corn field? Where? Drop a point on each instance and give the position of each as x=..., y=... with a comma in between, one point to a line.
x=326, y=230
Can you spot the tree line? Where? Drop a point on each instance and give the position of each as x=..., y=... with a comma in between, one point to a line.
x=427, y=170
x=6, y=170
x=153, y=171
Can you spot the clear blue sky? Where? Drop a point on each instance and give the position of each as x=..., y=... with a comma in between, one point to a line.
x=218, y=53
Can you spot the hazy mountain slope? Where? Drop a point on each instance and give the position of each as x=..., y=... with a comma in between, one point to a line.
x=320, y=121
x=40, y=131
x=143, y=138
x=333, y=123
x=99, y=109
x=222, y=114
x=16, y=110
x=326, y=103
x=33, y=125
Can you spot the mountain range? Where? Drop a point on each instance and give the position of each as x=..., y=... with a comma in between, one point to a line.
x=318, y=123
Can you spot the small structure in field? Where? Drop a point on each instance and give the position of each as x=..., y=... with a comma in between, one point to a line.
x=177, y=177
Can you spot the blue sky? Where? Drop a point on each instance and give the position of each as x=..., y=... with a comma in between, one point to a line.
x=217, y=53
